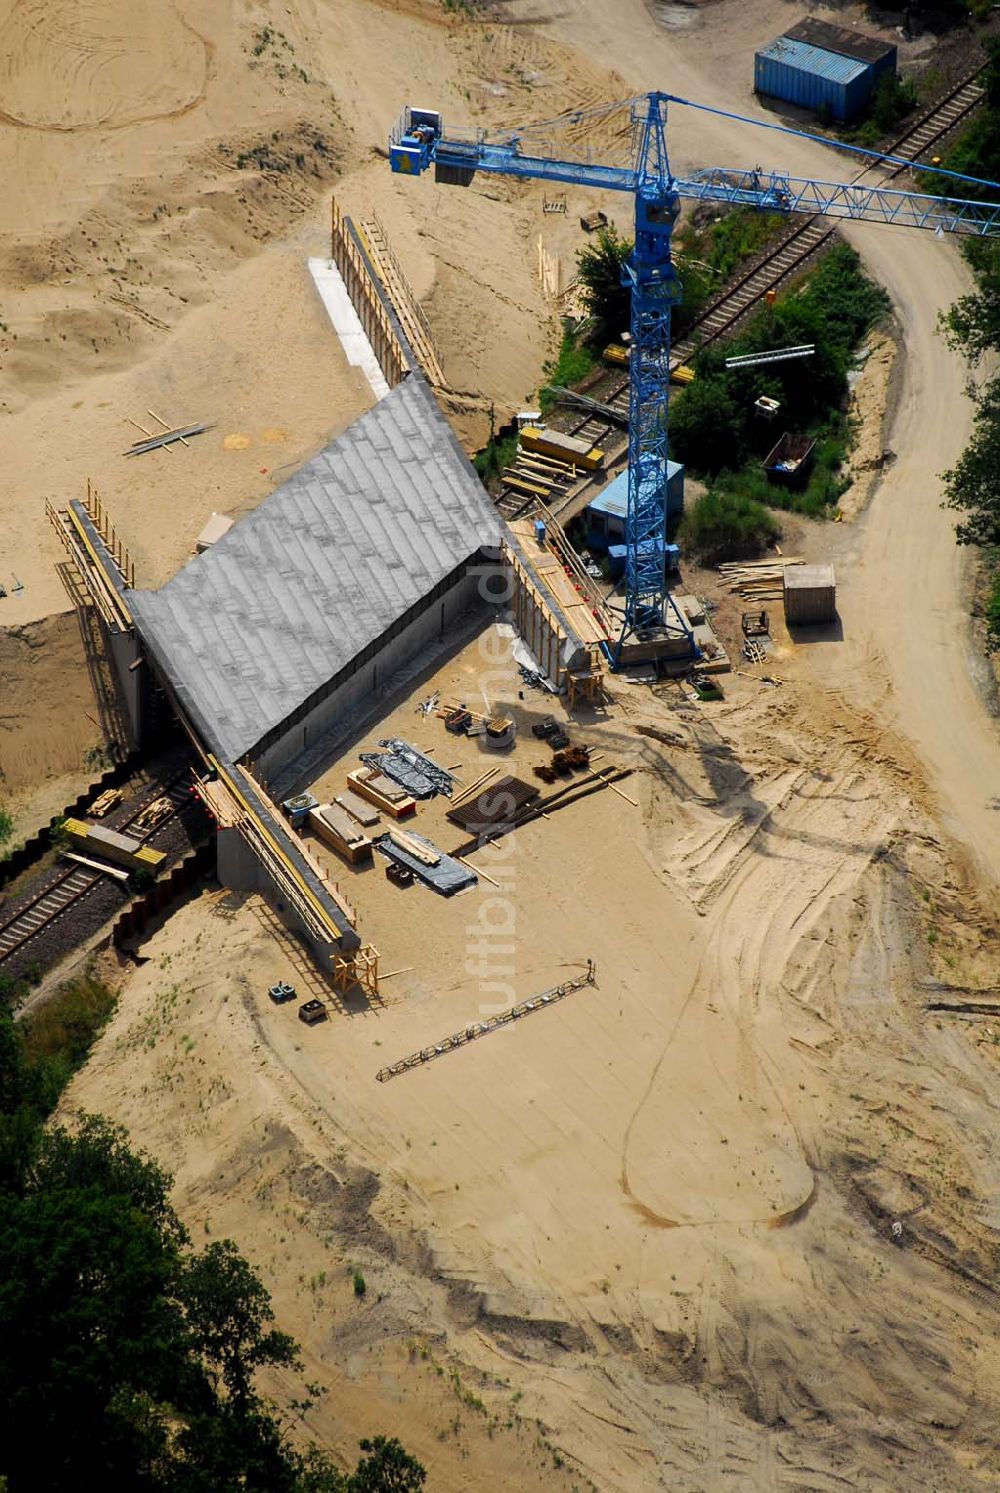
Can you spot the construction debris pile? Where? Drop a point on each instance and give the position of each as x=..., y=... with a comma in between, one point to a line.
x=411, y=768
x=442, y=873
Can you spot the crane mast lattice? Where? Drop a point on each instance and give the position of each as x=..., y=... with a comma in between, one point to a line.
x=543, y=152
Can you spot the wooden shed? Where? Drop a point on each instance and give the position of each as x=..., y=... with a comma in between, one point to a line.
x=810, y=594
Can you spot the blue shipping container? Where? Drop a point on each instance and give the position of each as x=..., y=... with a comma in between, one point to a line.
x=813, y=78
x=606, y=515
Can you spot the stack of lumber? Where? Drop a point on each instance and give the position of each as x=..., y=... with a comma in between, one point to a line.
x=336, y=828
x=758, y=580
x=540, y=475
x=381, y=791
x=365, y=813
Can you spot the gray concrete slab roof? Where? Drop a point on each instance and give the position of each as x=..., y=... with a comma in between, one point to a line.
x=247, y=631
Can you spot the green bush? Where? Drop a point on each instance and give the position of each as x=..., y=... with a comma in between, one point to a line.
x=992, y=614
x=725, y=525
x=574, y=362
x=599, y=270
x=713, y=427
x=495, y=455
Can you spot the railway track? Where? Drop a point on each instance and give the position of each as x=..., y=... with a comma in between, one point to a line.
x=70, y=886
x=789, y=255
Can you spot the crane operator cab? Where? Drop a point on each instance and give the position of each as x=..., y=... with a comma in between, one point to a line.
x=412, y=141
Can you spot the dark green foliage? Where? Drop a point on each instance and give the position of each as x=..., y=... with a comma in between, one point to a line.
x=972, y=325
x=725, y=525
x=706, y=426
x=498, y=453
x=59, y=1035
x=893, y=100
x=6, y=826
x=712, y=424
x=971, y=486
x=707, y=257
x=127, y=1360
x=227, y=1311
x=992, y=610
x=386, y=1468
x=570, y=368
x=599, y=270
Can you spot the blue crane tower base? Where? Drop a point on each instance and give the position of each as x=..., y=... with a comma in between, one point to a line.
x=420, y=141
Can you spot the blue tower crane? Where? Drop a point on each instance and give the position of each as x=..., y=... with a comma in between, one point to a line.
x=420, y=141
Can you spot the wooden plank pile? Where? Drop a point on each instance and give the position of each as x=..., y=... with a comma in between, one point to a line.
x=758, y=580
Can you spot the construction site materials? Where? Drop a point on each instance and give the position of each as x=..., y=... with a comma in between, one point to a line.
x=776, y=355
x=398, y=874
x=218, y=525
x=556, y=443
x=541, y=809
x=336, y=828
x=628, y=799
x=95, y=839
x=105, y=802
x=500, y=732
x=707, y=688
x=491, y=1024
x=281, y=992
x=755, y=624
x=789, y=460
x=493, y=804
x=381, y=791
x=167, y=438
x=590, y=222
x=299, y=808
x=410, y=767
x=418, y=847
x=757, y=580
x=312, y=1011
x=442, y=873
x=152, y=815
x=810, y=593
x=88, y=860
x=365, y=813
x=584, y=402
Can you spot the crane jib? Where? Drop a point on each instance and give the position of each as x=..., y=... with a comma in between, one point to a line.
x=419, y=141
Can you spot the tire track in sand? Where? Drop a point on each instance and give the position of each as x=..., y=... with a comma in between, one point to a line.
x=712, y=1138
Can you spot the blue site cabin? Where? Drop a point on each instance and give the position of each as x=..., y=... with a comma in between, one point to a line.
x=606, y=515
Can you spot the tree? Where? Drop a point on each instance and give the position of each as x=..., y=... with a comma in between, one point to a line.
x=227, y=1309
x=599, y=270
x=706, y=426
x=127, y=1360
x=971, y=485
x=386, y=1468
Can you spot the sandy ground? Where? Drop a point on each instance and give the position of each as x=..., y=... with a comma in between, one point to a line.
x=649, y=1228
x=654, y=1218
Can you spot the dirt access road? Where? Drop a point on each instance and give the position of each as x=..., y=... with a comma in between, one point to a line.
x=906, y=652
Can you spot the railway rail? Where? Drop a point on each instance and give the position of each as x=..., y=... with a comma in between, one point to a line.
x=799, y=244
x=71, y=885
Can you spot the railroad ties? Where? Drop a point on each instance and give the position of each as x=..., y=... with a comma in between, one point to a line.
x=491, y=1024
